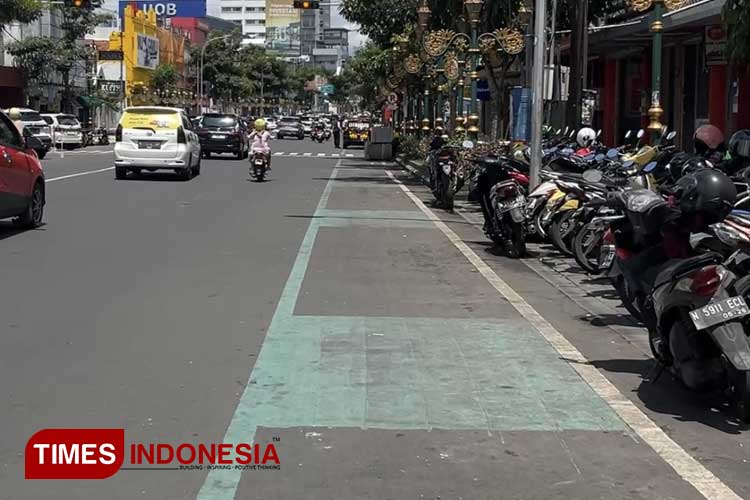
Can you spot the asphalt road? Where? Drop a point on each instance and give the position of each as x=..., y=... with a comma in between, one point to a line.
x=385, y=354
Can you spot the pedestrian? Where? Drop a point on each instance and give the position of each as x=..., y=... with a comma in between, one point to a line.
x=336, y=133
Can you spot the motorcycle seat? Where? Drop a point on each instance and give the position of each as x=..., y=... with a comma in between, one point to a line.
x=676, y=267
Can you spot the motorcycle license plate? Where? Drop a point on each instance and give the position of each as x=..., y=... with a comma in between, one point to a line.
x=608, y=257
x=502, y=208
x=715, y=313
x=259, y=163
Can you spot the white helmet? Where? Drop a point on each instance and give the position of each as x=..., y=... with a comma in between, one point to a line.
x=586, y=137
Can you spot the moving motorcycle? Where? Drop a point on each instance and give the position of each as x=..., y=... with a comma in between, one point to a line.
x=258, y=165
x=318, y=134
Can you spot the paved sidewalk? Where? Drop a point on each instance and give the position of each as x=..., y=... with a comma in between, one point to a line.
x=393, y=368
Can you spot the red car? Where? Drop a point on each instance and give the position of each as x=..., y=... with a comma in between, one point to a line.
x=21, y=177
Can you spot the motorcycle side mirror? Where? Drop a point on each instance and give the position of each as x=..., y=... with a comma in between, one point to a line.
x=641, y=133
x=612, y=154
x=650, y=167
x=671, y=135
x=628, y=134
x=600, y=157
x=467, y=144
x=598, y=133
x=592, y=175
x=628, y=164
x=572, y=134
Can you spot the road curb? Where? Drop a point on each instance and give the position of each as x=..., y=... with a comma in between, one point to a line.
x=412, y=167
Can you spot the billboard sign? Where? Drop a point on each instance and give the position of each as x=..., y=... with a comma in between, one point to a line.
x=282, y=26
x=174, y=8
x=112, y=88
x=148, y=52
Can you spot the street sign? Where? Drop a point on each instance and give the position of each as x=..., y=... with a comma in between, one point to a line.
x=483, y=90
x=111, y=87
x=716, y=44
x=110, y=55
x=175, y=8
x=327, y=89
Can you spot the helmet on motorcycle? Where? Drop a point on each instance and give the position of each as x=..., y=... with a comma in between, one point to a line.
x=739, y=144
x=260, y=124
x=708, y=192
x=14, y=114
x=586, y=137
x=708, y=138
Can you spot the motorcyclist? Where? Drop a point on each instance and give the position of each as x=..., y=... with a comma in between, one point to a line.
x=15, y=115
x=260, y=138
x=436, y=144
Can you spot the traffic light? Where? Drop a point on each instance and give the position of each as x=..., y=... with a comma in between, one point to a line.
x=306, y=4
x=78, y=4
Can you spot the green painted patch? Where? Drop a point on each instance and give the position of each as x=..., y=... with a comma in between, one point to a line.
x=402, y=373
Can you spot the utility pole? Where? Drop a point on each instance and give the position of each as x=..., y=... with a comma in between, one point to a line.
x=537, y=98
x=579, y=63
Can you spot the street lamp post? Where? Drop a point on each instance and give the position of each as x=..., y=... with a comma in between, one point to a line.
x=655, y=111
x=436, y=43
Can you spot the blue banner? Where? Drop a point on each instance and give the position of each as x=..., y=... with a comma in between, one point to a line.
x=520, y=118
x=174, y=8
x=483, y=90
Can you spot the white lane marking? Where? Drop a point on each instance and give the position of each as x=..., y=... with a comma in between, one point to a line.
x=687, y=467
x=349, y=156
x=278, y=154
x=79, y=174
x=336, y=155
x=321, y=154
x=293, y=154
x=307, y=154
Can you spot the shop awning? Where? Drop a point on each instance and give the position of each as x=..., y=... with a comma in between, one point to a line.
x=90, y=101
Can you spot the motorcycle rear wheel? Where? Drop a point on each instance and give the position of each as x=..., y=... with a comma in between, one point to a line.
x=741, y=394
x=582, y=249
x=558, y=229
x=628, y=299
x=516, y=246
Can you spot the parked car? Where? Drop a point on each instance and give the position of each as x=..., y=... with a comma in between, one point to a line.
x=39, y=128
x=290, y=126
x=271, y=124
x=156, y=138
x=66, y=129
x=223, y=133
x=22, y=192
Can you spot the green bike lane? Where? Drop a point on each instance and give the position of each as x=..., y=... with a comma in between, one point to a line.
x=393, y=368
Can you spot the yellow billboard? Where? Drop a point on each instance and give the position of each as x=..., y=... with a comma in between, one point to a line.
x=282, y=26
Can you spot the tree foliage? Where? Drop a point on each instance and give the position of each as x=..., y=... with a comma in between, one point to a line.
x=362, y=76
x=736, y=16
x=380, y=19
x=165, y=76
x=40, y=57
x=23, y=11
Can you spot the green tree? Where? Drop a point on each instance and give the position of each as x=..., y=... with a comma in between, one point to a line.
x=165, y=76
x=40, y=57
x=23, y=11
x=380, y=19
x=736, y=16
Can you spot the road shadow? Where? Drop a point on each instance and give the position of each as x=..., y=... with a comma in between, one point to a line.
x=667, y=396
x=155, y=177
x=610, y=319
x=8, y=229
x=224, y=157
x=361, y=179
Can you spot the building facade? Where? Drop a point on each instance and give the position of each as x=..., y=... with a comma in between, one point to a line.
x=249, y=15
x=313, y=23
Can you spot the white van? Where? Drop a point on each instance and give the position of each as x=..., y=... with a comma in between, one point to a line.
x=39, y=128
x=156, y=138
x=66, y=129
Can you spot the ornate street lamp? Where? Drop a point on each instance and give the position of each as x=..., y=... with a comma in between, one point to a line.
x=437, y=43
x=655, y=111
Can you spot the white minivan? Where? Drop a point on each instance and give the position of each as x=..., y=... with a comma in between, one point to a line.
x=156, y=138
x=66, y=129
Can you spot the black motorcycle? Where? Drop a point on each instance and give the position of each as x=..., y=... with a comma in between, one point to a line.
x=258, y=166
